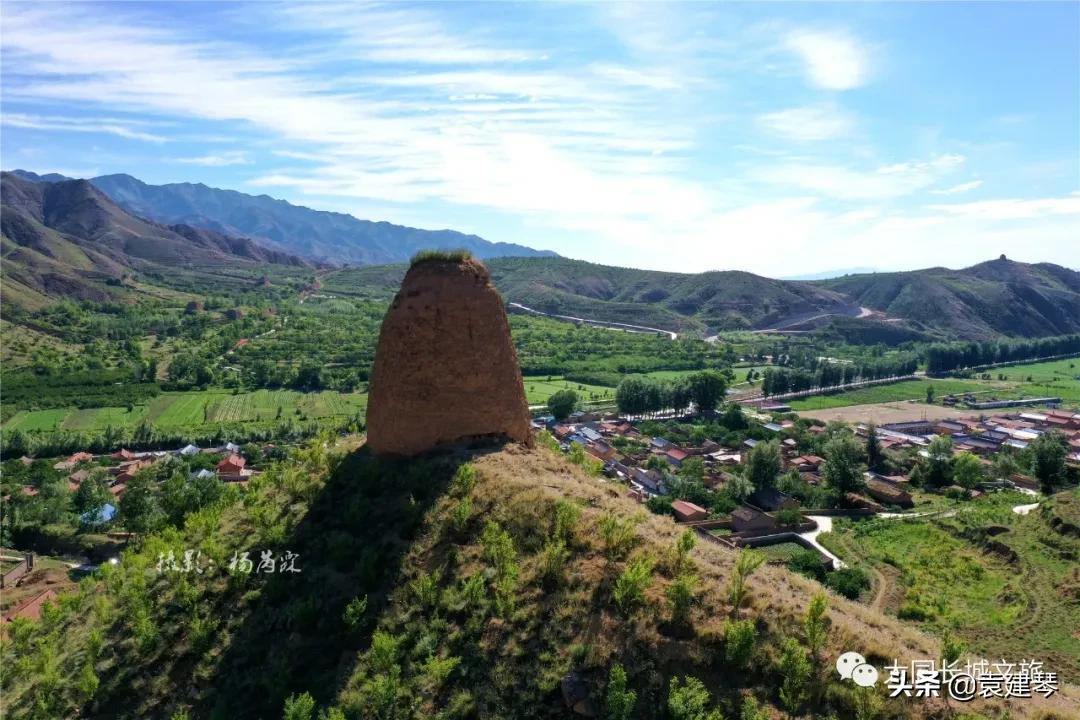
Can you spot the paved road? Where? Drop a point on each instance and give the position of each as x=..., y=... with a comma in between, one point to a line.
x=601, y=323
x=824, y=524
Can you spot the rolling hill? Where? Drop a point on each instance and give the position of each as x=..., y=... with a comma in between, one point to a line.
x=67, y=239
x=983, y=302
x=992, y=298
x=313, y=234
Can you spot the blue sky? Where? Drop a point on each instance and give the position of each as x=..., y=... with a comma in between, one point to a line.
x=780, y=138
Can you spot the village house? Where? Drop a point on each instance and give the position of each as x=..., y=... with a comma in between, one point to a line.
x=807, y=463
x=675, y=456
x=887, y=492
x=601, y=450
x=232, y=469
x=123, y=454
x=688, y=511
x=747, y=519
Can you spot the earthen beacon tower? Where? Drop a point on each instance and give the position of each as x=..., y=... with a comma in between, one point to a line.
x=445, y=368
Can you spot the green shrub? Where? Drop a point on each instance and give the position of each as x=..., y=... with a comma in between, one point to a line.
x=435, y=255
x=849, y=582
x=739, y=638
x=619, y=700
x=630, y=586
x=299, y=707
x=617, y=535
x=689, y=700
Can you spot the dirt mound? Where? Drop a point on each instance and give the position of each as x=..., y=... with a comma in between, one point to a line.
x=445, y=367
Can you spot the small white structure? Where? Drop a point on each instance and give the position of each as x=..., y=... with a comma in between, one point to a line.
x=189, y=450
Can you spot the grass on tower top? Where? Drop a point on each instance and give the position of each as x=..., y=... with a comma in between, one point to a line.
x=454, y=256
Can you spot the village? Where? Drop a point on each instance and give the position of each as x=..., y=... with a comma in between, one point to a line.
x=766, y=515
x=116, y=471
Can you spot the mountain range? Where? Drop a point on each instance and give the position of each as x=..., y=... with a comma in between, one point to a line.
x=76, y=238
x=983, y=302
x=68, y=239
x=313, y=234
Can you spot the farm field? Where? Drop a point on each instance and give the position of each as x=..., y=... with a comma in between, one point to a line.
x=941, y=571
x=1057, y=378
x=539, y=388
x=190, y=409
x=782, y=551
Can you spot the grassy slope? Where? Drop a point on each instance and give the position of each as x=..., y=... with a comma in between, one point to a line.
x=236, y=647
x=1025, y=607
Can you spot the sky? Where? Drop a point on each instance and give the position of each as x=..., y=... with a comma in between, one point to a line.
x=776, y=137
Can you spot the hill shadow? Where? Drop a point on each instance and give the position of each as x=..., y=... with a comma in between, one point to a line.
x=351, y=544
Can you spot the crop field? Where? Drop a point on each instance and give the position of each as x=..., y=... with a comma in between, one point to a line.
x=539, y=388
x=1058, y=378
x=192, y=409
x=782, y=551
x=948, y=572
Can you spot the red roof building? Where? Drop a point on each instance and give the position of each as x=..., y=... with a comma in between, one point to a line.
x=80, y=457
x=688, y=511
x=231, y=465
x=123, y=454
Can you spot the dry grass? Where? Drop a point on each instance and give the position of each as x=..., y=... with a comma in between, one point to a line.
x=522, y=483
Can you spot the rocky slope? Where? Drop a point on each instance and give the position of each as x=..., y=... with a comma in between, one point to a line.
x=445, y=367
x=67, y=239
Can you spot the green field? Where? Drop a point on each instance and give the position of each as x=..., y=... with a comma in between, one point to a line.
x=942, y=572
x=782, y=551
x=539, y=388
x=192, y=409
x=1059, y=378
x=893, y=392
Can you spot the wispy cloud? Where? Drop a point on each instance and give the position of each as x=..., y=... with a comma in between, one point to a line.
x=844, y=183
x=957, y=189
x=812, y=122
x=833, y=60
x=222, y=159
x=82, y=125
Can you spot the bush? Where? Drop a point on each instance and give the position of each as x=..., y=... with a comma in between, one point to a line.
x=849, y=582
x=808, y=563
x=630, y=586
x=739, y=637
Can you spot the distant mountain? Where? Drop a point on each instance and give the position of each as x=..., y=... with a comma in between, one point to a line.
x=68, y=239
x=829, y=274
x=983, y=302
x=314, y=234
x=980, y=302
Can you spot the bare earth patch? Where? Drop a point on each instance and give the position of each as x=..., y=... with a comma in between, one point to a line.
x=890, y=412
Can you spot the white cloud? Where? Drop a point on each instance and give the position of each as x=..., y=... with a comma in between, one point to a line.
x=222, y=159
x=811, y=122
x=961, y=188
x=843, y=183
x=833, y=60
x=84, y=125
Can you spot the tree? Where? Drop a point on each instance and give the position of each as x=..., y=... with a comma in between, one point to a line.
x=842, y=470
x=1048, y=460
x=929, y=394
x=967, y=471
x=562, y=403
x=689, y=700
x=630, y=586
x=795, y=669
x=739, y=637
x=873, y=448
x=747, y=563
x=707, y=389
x=92, y=495
x=299, y=707
x=763, y=464
x=619, y=700
x=680, y=595
x=140, y=508
x=937, y=469
x=816, y=625
x=693, y=468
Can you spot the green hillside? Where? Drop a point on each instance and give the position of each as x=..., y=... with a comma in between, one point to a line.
x=982, y=302
x=462, y=585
